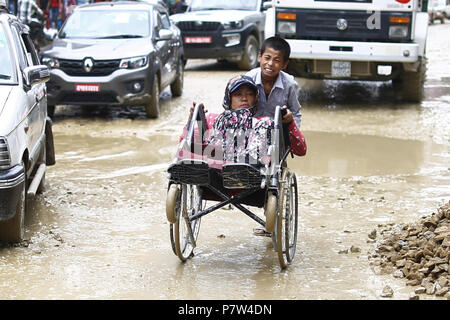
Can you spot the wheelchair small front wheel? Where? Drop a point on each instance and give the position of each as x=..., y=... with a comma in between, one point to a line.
x=185, y=232
x=172, y=200
x=271, y=211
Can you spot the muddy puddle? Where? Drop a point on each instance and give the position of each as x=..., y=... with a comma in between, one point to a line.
x=99, y=230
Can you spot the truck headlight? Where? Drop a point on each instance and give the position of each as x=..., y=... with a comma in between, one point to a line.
x=229, y=25
x=398, y=32
x=5, y=159
x=133, y=63
x=50, y=62
x=287, y=27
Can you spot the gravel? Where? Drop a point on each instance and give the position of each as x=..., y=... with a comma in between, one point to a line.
x=418, y=252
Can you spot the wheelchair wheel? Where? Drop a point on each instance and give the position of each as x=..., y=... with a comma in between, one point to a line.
x=190, y=201
x=287, y=219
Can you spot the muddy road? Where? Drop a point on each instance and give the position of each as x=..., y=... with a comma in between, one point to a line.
x=99, y=230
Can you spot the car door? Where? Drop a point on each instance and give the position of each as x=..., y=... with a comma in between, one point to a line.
x=174, y=44
x=34, y=96
x=164, y=52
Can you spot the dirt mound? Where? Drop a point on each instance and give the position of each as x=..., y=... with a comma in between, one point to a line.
x=419, y=252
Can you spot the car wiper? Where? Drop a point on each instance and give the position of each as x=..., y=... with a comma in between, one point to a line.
x=202, y=9
x=121, y=36
x=5, y=76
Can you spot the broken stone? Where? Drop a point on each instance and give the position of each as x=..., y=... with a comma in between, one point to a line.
x=441, y=292
x=398, y=274
x=420, y=290
x=387, y=292
x=413, y=282
x=413, y=297
x=430, y=289
x=354, y=249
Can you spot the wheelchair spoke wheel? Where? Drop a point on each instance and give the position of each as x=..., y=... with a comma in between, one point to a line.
x=287, y=219
x=291, y=225
x=189, y=204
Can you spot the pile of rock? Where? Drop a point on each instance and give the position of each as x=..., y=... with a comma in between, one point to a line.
x=419, y=252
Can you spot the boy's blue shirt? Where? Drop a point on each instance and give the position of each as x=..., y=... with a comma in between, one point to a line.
x=284, y=92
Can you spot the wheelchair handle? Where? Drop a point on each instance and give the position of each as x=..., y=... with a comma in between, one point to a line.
x=197, y=116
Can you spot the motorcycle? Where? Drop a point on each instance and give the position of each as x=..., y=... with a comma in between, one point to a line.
x=40, y=35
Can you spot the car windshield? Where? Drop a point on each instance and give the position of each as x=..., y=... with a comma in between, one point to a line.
x=100, y=24
x=6, y=61
x=197, y=5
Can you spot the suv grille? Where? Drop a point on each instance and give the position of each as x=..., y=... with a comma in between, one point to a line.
x=4, y=154
x=101, y=67
x=198, y=26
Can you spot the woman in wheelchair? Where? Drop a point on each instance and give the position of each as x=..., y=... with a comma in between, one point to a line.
x=238, y=159
x=238, y=134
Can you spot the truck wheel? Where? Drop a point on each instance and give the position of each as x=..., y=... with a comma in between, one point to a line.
x=152, y=107
x=250, y=56
x=411, y=84
x=12, y=230
x=177, y=86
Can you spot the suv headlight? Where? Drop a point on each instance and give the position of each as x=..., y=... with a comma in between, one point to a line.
x=230, y=25
x=133, y=63
x=50, y=62
x=5, y=159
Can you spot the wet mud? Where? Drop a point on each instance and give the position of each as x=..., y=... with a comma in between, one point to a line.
x=99, y=230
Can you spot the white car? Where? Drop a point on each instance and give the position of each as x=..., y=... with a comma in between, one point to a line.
x=26, y=138
x=437, y=10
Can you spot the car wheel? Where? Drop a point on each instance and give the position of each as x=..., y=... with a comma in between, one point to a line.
x=250, y=56
x=177, y=86
x=50, y=111
x=152, y=107
x=12, y=230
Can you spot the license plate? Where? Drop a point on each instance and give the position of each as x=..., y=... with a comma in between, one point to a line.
x=197, y=40
x=87, y=87
x=341, y=69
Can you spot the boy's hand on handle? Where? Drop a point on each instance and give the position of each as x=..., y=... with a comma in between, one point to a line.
x=288, y=117
x=192, y=110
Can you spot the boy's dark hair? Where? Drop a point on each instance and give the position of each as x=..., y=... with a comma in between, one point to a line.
x=278, y=44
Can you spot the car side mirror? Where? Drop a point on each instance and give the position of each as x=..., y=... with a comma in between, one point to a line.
x=164, y=34
x=267, y=5
x=36, y=74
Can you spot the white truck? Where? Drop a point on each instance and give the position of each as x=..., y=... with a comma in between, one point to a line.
x=355, y=40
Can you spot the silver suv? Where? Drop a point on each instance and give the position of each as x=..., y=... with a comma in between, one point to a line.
x=26, y=139
x=115, y=53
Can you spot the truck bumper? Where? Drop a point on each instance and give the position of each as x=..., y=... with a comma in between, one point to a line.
x=354, y=51
x=11, y=184
x=372, y=61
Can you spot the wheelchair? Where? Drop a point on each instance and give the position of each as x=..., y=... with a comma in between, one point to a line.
x=195, y=179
